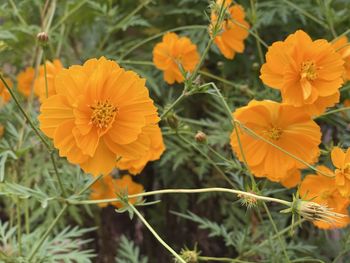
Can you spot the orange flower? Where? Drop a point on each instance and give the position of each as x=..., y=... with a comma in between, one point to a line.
x=172, y=51
x=283, y=125
x=109, y=188
x=323, y=190
x=341, y=161
x=52, y=69
x=231, y=40
x=291, y=179
x=156, y=148
x=342, y=47
x=99, y=115
x=308, y=73
x=5, y=95
x=25, y=81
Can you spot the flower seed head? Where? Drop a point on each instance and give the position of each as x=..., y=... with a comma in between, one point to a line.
x=42, y=37
x=200, y=137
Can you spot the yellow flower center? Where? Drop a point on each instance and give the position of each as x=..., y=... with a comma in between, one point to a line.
x=309, y=70
x=103, y=113
x=273, y=133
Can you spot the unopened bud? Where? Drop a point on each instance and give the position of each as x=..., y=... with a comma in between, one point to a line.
x=189, y=256
x=42, y=37
x=172, y=121
x=200, y=137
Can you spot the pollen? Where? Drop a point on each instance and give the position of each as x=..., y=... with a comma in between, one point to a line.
x=103, y=113
x=309, y=70
x=273, y=133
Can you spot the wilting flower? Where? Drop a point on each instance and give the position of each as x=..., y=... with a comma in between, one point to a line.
x=155, y=149
x=341, y=45
x=322, y=190
x=5, y=95
x=109, y=188
x=52, y=69
x=234, y=30
x=341, y=161
x=100, y=114
x=284, y=126
x=25, y=80
x=172, y=52
x=308, y=73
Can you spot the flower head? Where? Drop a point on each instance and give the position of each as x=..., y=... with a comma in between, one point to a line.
x=342, y=47
x=341, y=160
x=25, y=80
x=52, y=69
x=234, y=30
x=282, y=125
x=172, y=52
x=109, y=188
x=5, y=95
x=100, y=114
x=308, y=73
x=323, y=190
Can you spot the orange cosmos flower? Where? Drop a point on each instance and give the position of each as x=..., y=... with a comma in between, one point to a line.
x=5, y=95
x=341, y=160
x=342, y=47
x=308, y=73
x=156, y=148
x=231, y=40
x=323, y=190
x=283, y=125
x=108, y=188
x=172, y=51
x=52, y=69
x=99, y=115
x=25, y=81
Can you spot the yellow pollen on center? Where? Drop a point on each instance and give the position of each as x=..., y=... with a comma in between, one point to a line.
x=103, y=113
x=273, y=133
x=309, y=70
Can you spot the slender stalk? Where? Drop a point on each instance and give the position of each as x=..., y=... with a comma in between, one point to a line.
x=19, y=227
x=206, y=50
x=26, y=216
x=145, y=41
x=57, y=173
x=342, y=34
x=208, y=158
x=15, y=10
x=305, y=13
x=186, y=191
x=155, y=234
x=45, y=74
x=122, y=21
x=46, y=234
x=26, y=116
x=89, y=185
x=277, y=232
x=67, y=15
x=214, y=259
x=177, y=101
x=258, y=44
x=332, y=112
x=133, y=62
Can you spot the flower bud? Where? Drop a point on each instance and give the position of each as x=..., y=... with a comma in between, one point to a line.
x=42, y=37
x=172, y=121
x=200, y=137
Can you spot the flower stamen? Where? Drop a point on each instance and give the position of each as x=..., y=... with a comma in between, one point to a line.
x=103, y=113
x=309, y=70
x=273, y=133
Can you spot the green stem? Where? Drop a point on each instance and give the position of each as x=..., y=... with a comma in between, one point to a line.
x=332, y=112
x=206, y=50
x=135, y=62
x=160, y=240
x=35, y=129
x=57, y=173
x=15, y=10
x=277, y=232
x=66, y=16
x=122, y=21
x=186, y=191
x=26, y=216
x=305, y=13
x=258, y=43
x=87, y=187
x=19, y=227
x=168, y=109
x=46, y=234
x=131, y=49
x=208, y=158
x=342, y=34
x=203, y=258
x=45, y=74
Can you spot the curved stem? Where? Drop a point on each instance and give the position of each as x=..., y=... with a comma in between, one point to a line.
x=180, y=98
x=155, y=234
x=186, y=191
x=332, y=112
